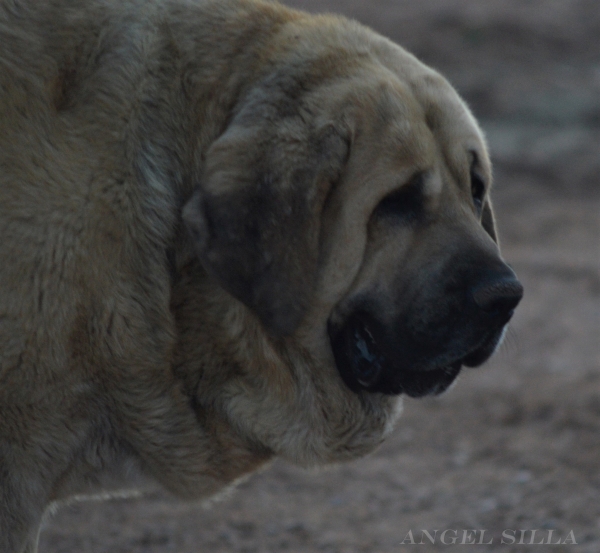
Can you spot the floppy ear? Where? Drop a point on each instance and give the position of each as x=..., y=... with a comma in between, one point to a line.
x=255, y=216
x=488, y=220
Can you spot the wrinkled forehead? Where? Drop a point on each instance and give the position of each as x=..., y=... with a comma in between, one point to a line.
x=434, y=105
x=424, y=119
x=406, y=108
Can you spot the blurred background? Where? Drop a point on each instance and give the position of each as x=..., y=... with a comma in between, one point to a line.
x=516, y=444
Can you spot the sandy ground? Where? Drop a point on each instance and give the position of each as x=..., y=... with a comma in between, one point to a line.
x=514, y=446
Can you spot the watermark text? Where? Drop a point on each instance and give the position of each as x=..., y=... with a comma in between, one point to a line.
x=484, y=537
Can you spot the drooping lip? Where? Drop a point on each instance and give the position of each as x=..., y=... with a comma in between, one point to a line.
x=369, y=360
x=365, y=367
x=427, y=383
x=438, y=380
x=413, y=383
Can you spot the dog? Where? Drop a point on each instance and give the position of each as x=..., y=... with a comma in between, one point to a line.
x=230, y=231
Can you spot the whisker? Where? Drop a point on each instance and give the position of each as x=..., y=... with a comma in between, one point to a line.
x=510, y=346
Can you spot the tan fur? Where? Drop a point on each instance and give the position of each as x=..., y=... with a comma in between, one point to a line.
x=122, y=347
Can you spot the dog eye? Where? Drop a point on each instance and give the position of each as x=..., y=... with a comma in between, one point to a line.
x=477, y=191
x=405, y=204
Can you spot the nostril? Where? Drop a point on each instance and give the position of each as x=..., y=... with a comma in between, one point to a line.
x=498, y=297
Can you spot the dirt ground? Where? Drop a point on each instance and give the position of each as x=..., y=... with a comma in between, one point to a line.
x=515, y=445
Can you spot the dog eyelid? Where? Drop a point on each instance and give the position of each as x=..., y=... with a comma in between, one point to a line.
x=406, y=204
x=478, y=187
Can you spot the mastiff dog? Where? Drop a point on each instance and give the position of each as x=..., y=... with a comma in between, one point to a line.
x=228, y=231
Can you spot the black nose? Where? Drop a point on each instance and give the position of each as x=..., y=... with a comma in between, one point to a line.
x=498, y=295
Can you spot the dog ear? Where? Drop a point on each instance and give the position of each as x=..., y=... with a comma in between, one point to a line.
x=255, y=217
x=488, y=220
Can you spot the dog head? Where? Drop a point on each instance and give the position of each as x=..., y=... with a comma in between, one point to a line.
x=347, y=207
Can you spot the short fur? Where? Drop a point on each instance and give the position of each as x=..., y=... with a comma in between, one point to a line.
x=187, y=192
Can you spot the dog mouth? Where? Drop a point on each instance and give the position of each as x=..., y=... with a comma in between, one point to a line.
x=364, y=366
x=420, y=350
